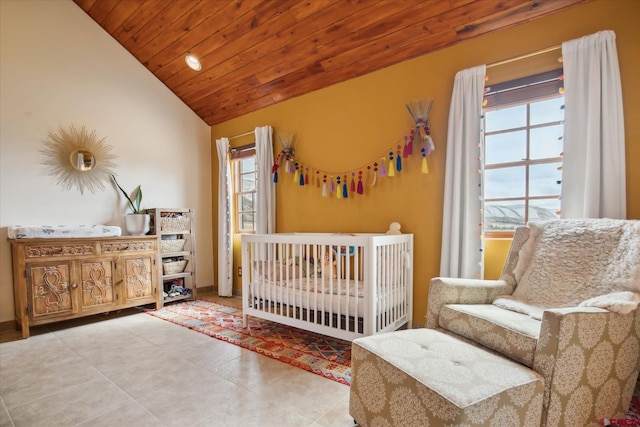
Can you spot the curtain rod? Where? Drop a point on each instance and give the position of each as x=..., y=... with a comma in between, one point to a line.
x=241, y=135
x=526, y=55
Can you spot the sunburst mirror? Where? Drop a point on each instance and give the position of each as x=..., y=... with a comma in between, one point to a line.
x=79, y=159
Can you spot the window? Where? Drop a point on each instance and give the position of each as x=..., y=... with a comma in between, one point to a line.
x=522, y=153
x=245, y=178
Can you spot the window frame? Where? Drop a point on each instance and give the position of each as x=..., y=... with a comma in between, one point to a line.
x=525, y=93
x=237, y=156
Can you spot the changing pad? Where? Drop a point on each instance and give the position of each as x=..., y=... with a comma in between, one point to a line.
x=62, y=231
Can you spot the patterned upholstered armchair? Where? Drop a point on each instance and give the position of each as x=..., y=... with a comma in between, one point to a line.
x=566, y=307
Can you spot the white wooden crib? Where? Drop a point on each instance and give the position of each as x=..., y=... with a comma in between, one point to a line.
x=341, y=285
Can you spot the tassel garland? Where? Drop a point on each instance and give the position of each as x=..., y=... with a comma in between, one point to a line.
x=419, y=134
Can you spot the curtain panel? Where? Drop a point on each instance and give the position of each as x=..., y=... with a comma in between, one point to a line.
x=593, y=174
x=225, y=220
x=265, y=191
x=461, y=254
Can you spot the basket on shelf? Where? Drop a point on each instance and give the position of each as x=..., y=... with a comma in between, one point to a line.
x=172, y=245
x=175, y=223
x=173, y=267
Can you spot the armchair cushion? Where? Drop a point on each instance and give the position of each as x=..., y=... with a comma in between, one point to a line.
x=513, y=334
x=564, y=263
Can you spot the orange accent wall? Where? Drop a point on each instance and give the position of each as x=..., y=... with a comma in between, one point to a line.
x=347, y=125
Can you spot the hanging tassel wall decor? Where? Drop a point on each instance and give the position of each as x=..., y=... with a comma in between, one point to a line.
x=392, y=170
x=360, y=185
x=345, y=192
x=419, y=110
x=391, y=163
x=296, y=174
x=285, y=155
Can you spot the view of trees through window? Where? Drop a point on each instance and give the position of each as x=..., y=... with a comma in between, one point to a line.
x=522, y=163
x=245, y=191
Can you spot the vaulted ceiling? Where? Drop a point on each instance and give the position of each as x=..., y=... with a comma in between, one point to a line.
x=255, y=53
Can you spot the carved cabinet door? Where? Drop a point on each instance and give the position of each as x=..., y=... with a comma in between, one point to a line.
x=49, y=290
x=137, y=278
x=96, y=284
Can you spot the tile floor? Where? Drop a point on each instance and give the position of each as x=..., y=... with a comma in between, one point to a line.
x=133, y=369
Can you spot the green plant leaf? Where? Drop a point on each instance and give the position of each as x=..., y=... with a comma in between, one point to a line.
x=135, y=208
x=138, y=199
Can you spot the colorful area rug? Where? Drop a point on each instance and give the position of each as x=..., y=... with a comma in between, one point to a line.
x=322, y=355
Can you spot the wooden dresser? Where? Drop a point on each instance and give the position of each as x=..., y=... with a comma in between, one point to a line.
x=60, y=279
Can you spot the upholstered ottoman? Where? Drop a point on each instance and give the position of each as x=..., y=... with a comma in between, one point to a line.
x=423, y=377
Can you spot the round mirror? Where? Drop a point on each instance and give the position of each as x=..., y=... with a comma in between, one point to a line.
x=79, y=158
x=82, y=160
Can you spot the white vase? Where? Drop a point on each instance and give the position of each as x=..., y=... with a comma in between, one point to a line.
x=137, y=224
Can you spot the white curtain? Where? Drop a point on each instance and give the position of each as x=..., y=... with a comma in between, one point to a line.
x=593, y=173
x=265, y=192
x=461, y=233
x=225, y=220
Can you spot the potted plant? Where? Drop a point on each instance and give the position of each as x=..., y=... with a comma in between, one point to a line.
x=137, y=222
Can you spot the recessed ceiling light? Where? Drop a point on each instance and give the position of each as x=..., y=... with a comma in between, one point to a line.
x=193, y=62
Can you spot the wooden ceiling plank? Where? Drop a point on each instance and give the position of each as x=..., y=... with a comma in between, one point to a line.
x=304, y=81
x=169, y=61
x=101, y=9
x=298, y=57
x=159, y=48
x=291, y=86
x=391, y=49
x=211, y=34
x=256, y=53
x=352, y=35
x=275, y=38
x=512, y=17
x=146, y=13
x=119, y=14
x=156, y=28
x=267, y=22
x=286, y=88
x=85, y=5
x=461, y=15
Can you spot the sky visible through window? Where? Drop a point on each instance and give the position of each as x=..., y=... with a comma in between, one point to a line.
x=523, y=146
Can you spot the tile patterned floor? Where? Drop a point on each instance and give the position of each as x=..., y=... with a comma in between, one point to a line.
x=133, y=369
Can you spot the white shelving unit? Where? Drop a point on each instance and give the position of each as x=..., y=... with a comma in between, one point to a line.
x=176, y=250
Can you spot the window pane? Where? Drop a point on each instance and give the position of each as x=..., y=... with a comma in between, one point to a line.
x=501, y=216
x=248, y=182
x=246, y=221
x=547, y=111
x=546, y=142
x=245, y=202
x=543, y=210
x=543, y=179
x=506, y=147
x=504, y=182
x=248, y=164
x=506, y=118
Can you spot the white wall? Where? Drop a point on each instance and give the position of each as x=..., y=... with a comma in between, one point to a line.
x=57, y=68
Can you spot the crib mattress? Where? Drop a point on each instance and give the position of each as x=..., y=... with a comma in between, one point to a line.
x=62, y=231
x=318, y=296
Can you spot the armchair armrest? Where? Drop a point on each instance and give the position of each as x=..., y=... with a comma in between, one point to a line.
x=447, y=290
x=589, y=351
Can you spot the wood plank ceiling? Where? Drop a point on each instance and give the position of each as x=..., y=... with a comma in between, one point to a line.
x=255, y=53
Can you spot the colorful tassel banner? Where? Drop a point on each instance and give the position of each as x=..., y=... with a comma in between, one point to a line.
x=419, y=134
